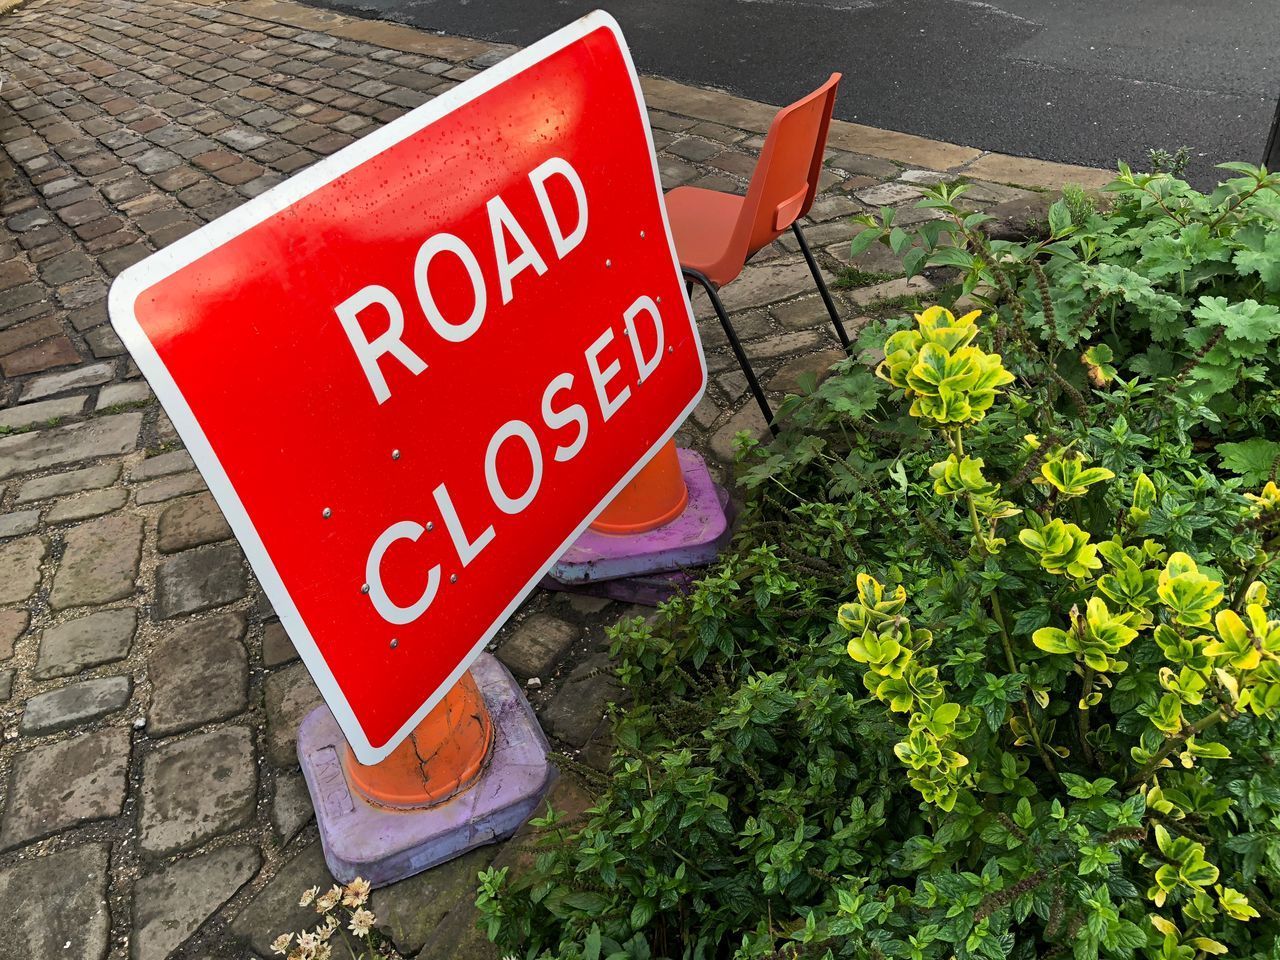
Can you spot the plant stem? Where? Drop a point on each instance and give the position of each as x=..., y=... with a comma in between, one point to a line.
x=997, y=614
x=1083, y=716
x=1250, y=575
x=1045, y=756
x=1161, y=204
x=1233, y=204
x=1253, y=573
x=1204, y=723
x=957, y=444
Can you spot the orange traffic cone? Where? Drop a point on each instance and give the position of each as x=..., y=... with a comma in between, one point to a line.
x=670, y=517
x=472, y=772
x=654, y=497
x=442, y=757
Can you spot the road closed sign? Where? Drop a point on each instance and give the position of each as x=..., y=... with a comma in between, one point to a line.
x=413, y=374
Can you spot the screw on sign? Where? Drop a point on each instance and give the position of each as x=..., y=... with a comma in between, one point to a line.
x=415, y=372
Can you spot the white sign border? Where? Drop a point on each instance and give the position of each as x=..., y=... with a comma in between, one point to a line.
x=160, y=265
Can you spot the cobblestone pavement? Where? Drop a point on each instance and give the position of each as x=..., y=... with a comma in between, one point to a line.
x=151, y=803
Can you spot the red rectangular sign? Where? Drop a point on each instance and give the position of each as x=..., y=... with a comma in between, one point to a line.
x=413, y=373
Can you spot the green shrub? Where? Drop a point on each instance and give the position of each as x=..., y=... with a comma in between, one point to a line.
x=1173, y=283
x=989, y=673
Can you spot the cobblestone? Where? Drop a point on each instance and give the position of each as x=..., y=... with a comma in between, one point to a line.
x=65, y=784
x=13, y=624
x=29, y=414
x=747, y=419
x=290, y=806
x=170, y=905
x=117, y=394
x=290, y=696
x=102, y=437
x=274, y=909
x=536, y=646
x=100, y=563
x=410, y=912
x=15, y=524
x=69, y=648
x=191, y=522
x=56, y=352
x=277, y=648
x=86, y=506
x=890, y=290
x=20, y=568
x=767, y=283
x=195, y=789
x=199, y=579
x=74, y=704
x=577, y=712
x=163, y=465
x=811, y=368
x=64, y=905
x=199, y=675
x=169, y=487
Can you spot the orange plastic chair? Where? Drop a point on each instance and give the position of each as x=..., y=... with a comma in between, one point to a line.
x=717, y=233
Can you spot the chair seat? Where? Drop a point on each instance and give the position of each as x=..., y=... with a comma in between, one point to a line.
x=702, y=223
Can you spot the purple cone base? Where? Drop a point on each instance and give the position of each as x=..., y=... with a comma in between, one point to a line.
x=649, y=590
x=361, y=839
x=649, y=567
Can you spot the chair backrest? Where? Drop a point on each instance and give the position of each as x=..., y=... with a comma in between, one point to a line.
x=785, y=179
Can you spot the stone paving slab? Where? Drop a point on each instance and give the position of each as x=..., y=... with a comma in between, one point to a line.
x=150, y=801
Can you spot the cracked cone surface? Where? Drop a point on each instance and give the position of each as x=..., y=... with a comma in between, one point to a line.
x=441, y=758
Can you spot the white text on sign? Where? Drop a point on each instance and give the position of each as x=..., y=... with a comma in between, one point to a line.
x=602, y=360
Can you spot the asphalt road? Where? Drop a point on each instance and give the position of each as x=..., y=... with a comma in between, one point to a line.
x=1081, y=81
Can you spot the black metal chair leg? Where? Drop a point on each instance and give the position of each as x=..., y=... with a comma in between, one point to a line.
x=822, y=288
x=735, y=344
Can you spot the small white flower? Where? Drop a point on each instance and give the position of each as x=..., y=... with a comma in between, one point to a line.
x=308, y=897
x=357, y=892
x=361, y=922
x=281, y=943
x=329, y=899
x=328, y=928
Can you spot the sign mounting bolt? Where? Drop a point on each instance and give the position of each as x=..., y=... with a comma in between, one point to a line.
x=608, y=263
x=394, y=644
x=641, y=234
x=364, y=588
x=395, y=454
x=430, y=525
x=326, y=513
x=453, y=578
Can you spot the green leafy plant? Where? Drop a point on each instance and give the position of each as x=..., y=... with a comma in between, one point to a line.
x=1167, y=283
x=991, y=672
x=1256, y=460
x=1174, y=164
x=851, y=278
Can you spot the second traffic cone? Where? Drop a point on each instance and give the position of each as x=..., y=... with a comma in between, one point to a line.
x=654, y=497
x=669, y=517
